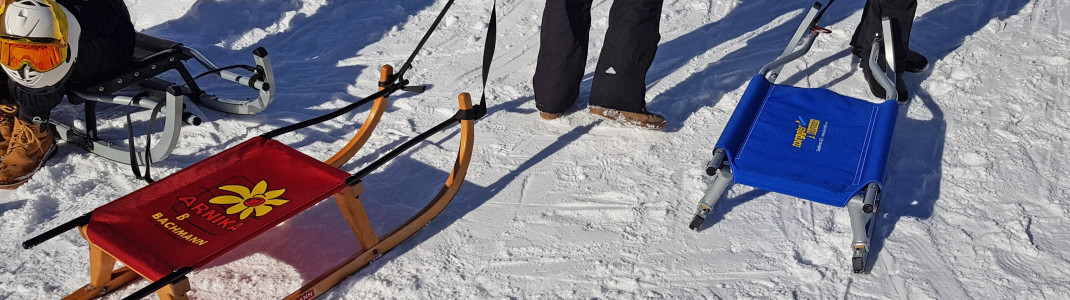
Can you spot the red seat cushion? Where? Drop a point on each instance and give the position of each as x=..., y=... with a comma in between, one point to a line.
x=197, y=214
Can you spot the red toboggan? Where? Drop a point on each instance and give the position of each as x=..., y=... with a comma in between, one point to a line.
x=182, y=222
x=167, y=229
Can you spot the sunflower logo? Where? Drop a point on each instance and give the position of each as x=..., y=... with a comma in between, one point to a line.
x=258, y=200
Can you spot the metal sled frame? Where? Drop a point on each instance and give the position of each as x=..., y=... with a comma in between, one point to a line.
x=863, y=206
x=155, y=56
x=104, y=278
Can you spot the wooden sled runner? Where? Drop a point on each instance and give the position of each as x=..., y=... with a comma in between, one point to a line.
x=169, y=228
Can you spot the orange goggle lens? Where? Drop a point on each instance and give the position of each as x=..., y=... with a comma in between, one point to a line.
x=41, y=56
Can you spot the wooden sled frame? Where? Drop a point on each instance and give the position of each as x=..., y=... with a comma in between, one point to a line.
x=322, y=179
x=352, y=208
x=155, y=56
x=104, y=278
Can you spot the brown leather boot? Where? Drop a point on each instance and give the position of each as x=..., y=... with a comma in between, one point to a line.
x=646, y=120
x=550, y=116
x=28, y=149
x=8, y=112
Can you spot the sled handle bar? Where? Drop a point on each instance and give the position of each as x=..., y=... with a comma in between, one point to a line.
x=387, y=90
x=51, y=233
x=356, y=177
x=467, y=112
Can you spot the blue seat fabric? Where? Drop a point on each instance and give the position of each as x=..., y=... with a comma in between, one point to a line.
x=807, y=142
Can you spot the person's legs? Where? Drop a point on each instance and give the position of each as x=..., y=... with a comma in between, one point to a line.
x=901, y=13
x=562, y=54
x=630, y=44
x=30, y=141
x=35, y=106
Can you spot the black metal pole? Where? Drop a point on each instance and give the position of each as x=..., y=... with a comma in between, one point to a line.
x=51, y=233
x=334, y=114
x=434, y=25
x=356, y=177
x=821, y=13
x=175, y=276
x=399, y=83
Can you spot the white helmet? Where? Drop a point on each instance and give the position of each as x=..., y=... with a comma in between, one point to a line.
x=38, y=42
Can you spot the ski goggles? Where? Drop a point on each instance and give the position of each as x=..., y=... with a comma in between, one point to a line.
x=42, y=55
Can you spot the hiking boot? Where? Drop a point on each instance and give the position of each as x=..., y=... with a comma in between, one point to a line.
x=550, y=116
x=28, y=149
x=646, y=119
x=8, y=113
x=913, y=62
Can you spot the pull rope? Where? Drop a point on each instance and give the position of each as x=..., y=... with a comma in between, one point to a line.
x=477, y=111
x=408, y=62
x=393, y=84
x=480, y=110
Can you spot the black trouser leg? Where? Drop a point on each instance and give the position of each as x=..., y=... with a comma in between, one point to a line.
x=901, y=13
x=630, y=44
x=562, y=54
x=34, y=106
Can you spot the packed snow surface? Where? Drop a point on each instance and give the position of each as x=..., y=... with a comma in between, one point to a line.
x=976, y=205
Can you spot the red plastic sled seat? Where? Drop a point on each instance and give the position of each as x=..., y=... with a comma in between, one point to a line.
x=199, y=213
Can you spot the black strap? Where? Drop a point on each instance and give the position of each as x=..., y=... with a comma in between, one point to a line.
x=356, y=177
x=331, y=115
x=393, y=84
x=148, y=140
x=480, y=110
x=477, y=111
x=408, y=62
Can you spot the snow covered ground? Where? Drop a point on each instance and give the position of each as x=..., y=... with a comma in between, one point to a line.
x=977, y=202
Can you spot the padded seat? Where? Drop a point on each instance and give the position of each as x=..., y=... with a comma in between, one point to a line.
x=152, y=56
x=197, y=214
x=807, y=142
x=147, y=45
